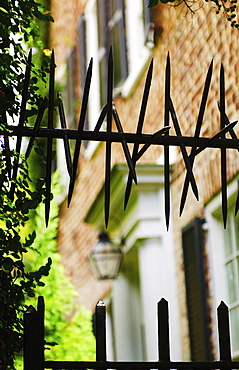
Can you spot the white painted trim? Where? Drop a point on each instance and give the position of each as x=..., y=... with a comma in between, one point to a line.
x=130, y=83
x=92, y=52
x=138, y=51
x=215, y=245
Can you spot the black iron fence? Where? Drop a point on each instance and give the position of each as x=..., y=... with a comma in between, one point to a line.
x=109, y=113
x=34, y=344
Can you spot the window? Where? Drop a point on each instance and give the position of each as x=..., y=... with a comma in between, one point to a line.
x=139, y=42
x=111, y=32
x=223, y=248
x=124, y=25
x=231, y=250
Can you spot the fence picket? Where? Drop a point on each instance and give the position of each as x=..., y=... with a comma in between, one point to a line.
x=34, y=344
x=41, y=314
x=224, y=332
x=32, y=350
x=163, y=331
x=100, y=331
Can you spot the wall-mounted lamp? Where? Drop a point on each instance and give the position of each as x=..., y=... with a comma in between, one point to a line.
x=105, y=258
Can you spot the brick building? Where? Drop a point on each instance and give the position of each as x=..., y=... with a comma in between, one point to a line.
x=194, y=265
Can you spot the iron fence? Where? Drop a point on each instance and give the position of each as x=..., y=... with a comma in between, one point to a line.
x=109, y=113
x=34, y=344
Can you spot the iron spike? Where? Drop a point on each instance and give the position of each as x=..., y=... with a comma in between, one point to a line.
x=223, y=150
x=65, y=138
x=101, y=118
x=40, y=114
x=161, y=132
x=49, y=139
x=183, y=150
x=231, y=131
x=125, y=146
x=108, y=143
x=139, y=129
x=166, y=148
x=197, y=132
x=80, y=129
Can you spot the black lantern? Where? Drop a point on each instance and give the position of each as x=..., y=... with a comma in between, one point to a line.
x=105, y=258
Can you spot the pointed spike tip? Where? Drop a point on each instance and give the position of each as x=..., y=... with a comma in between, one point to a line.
x=29, y=56
x=101, y=303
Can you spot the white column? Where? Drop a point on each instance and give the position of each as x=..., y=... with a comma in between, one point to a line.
x=127, y=324
x=157, y=280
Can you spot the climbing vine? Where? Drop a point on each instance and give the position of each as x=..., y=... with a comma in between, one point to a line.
x=21, y=22
x=226, y=7
x=15, y=281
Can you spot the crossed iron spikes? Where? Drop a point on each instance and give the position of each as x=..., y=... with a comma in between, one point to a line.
x=109, y=112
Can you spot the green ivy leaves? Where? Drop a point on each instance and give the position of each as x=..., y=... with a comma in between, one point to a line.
x=15, y=280
x=19, y=23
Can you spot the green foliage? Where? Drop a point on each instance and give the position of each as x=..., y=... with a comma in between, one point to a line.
x=19, y=25
x=65, y=323
x=15, y=281
x=20, y=277
x=226, y=7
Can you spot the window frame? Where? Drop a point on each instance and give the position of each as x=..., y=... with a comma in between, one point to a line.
x=137, y=62
x=217, y=258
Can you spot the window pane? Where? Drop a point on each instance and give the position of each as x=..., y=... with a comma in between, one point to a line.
x=111, y=32
x=234, y=327
x=101, y=19
x=117, y=37
x=228, y=240
x=117, y=56
x=231, y=282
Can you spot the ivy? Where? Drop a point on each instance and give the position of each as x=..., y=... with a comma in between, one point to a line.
x=15, y=281
x=19, y=25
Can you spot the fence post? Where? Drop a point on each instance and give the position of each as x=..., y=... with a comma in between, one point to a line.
x=41, y=335
x=163, y=331
x=224, y=332
x=31, y=339
x=100, y=331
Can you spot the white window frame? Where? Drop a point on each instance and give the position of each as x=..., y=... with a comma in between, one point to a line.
x=217, y=258
x=139, y=54
x=139, y=50
x=92, y=52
